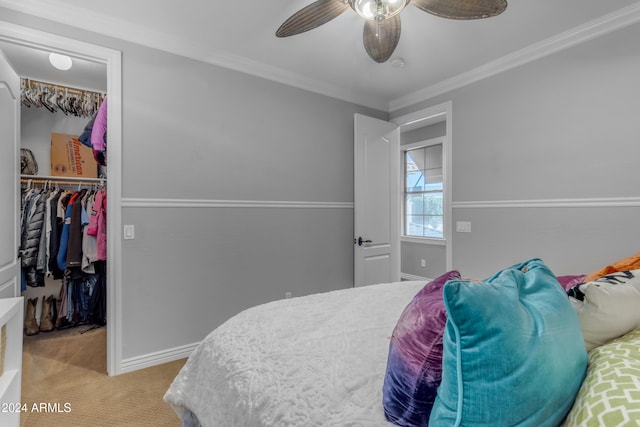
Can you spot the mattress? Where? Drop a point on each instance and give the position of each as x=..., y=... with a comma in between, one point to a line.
x=317, y=360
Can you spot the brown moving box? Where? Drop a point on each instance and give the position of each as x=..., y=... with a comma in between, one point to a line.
x=69, y=157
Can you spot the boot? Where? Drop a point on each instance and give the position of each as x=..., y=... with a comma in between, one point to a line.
x=30, y=325
x=54, y=309
x=46, y=324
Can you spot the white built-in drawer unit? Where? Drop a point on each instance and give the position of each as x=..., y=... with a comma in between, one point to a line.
x=11, y=321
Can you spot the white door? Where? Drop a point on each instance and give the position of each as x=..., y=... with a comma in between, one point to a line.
x=376, y=186
x=9, y=159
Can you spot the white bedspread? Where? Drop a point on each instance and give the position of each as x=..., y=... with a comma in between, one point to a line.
x=318, y=360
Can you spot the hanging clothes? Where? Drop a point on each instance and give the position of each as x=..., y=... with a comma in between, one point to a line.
x=64, y=235
x=85, y=136
x=31, y=233
x=98, y=301
x=54, y=230
x=89, y=242
x=59, y=235
x=99, y=134
x=98, y=224
x=76, y=224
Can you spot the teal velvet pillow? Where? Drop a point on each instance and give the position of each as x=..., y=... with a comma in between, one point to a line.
x=513, y=352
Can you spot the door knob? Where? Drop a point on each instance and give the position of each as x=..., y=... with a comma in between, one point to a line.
x=361, y=241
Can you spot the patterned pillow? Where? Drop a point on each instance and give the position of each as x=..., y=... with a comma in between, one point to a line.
x=610, y=394
x=608, y=307
x=513, y=352
x=629, y=263
x=414, y=364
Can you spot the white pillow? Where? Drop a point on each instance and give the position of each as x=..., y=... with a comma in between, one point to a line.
x=610, y=307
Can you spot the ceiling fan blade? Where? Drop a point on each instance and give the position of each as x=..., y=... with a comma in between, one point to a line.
x=462, y=9
x=312, y=16
x=380, y=39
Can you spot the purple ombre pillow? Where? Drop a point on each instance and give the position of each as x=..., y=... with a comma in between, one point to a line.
x=568, y=282
x=414, y=364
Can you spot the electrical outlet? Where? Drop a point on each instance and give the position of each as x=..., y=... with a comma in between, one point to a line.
x=288, y=294
x=463, y=227
x=423, y=263
x=129, y=232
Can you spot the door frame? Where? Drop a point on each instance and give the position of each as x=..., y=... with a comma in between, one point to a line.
x=426, y=117
x=37, y=39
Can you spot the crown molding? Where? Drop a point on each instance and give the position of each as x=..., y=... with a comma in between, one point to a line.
x=58, y=11
x=588, y=31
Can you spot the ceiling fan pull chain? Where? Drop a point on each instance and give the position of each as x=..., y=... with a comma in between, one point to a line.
x=379, y=16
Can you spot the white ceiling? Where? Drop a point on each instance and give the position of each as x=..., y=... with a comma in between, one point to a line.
x=439, y=54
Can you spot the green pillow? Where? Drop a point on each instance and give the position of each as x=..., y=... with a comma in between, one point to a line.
x=610, y=394
x=513, y=352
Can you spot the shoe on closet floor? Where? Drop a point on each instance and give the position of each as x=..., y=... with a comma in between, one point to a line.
x=46, y=324
x=30, y=324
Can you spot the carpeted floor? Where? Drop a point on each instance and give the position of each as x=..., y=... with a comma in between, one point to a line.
x=64, y=383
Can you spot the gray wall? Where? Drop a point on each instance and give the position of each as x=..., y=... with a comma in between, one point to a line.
x=200, y=132
x=563, y=129
x=212, y=134
x=413, y=253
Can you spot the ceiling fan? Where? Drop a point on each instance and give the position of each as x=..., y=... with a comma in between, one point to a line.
x=382, y=18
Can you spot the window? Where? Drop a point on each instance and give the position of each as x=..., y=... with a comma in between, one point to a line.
x=423, y=211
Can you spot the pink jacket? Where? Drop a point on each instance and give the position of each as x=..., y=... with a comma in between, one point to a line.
x=98, y=224
x=100, y=128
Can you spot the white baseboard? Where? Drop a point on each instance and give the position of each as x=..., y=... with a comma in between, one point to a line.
x=407, y=276
x=157, y=358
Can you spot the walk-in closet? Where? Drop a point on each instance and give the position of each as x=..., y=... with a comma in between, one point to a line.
x=63, y=194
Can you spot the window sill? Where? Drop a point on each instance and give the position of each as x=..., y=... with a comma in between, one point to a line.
x=423, y=240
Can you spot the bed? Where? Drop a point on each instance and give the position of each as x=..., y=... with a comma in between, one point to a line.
x=307, y=361
x=329, y=359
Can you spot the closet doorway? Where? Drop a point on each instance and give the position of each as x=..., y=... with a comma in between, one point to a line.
x=17, y=41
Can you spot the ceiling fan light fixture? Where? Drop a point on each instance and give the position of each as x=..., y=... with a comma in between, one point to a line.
x=382, y=24
x=378, y=9
x=60, y=62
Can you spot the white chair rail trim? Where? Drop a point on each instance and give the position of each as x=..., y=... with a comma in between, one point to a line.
x=604, y=202
x=203, y=203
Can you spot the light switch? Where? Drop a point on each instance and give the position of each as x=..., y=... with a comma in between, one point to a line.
x=463, y=226
x=129, y=232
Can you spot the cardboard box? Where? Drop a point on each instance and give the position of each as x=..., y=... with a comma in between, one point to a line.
x=70, y=157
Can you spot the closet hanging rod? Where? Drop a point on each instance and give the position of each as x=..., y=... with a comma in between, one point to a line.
x=28, y=183
x=77, y=91
x=65, y=180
